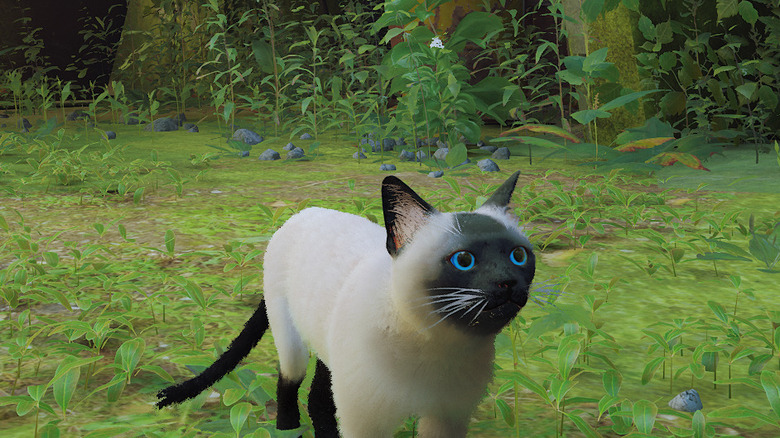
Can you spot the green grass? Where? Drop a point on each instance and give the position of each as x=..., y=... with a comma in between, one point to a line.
x=207, y=290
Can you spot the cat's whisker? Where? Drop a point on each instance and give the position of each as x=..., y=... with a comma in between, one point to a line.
x=478, y=313
x=449, y=298
x=445, y=317
x=457, y=304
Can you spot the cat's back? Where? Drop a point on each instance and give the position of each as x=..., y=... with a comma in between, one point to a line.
x=323, y=242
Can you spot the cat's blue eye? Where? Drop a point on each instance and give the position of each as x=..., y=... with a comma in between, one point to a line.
x=463, y=260
x=519, y=256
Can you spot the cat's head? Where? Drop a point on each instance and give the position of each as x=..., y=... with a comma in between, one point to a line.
x=471, y=271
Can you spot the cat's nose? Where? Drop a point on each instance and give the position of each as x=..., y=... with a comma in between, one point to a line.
x=507, y=284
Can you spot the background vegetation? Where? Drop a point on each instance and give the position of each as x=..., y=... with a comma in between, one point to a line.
x=129, y=262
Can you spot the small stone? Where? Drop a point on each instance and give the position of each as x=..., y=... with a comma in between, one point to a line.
x=441, y=154
x=269, y=155
x=289, y=146
x=363, y=141
x=421, y=155
x=490, y=149
x=247, y=136
x=387, y=167
x=436, y=174
x=306, y=136
x=388, y=144
x=131, y=119
x=193, y=129
x=686, y=401
x=358, y=155
x=480, y=144
x=406, y=155
x=440, y=144
x=24, y=124
x=295, y=153
x=243, y=154
x=76, y=115
x=488, y=165
x=501, y=153
x=110, y=135
x=187, y=125
x=162, y=124
x=400, y=142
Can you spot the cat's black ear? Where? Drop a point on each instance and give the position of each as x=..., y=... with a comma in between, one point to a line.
x=405, y=212
x=503, y=194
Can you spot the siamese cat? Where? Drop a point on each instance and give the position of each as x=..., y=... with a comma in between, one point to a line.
x=402, y=319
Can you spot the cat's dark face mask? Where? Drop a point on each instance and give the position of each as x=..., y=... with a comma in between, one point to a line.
x=483, y=280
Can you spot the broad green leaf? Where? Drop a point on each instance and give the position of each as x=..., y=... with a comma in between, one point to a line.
x=650, y=369
x=587, y=116
x=506, y=412
x=771, y=386
x=129, y=354
x=527, y=382
x=66, y=385
x=727, y=8
x=170, y=241
x=669, y=158
x=673, y=103
x=232, y=395
x=568, y=352
x=644, y=416
x=591, y=9
x=544, y=129
x=698, y=424
x=622, y=100
x=595, y=60
x=721, y=256
x=667, y=60
x=583, y=425
x=767, y=97
x=238, y=415
x=748, y=12
x=52, y=258
x=138, y=195
x=747, y=90
x=457, y=155
x=611, y=380
x=646, y=143
x=718, y=310
x=606, y=402
x=664, y=33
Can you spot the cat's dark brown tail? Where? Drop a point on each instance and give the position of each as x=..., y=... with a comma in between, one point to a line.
x=239, y=348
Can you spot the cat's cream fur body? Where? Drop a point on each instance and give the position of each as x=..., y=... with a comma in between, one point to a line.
x=330, y=286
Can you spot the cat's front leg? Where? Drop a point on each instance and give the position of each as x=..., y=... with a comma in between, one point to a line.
x=439, y=427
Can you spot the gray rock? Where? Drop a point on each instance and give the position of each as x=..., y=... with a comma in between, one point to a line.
x=490, y=149
x=421, y=155
x=406, y=155
x=480, y=144
x=488, y=165
x=363, y=141
x=110, y=135
x=358, y=155
x=441, y=154
x=436, y=174
x=501, y=154
x=388, y=144
x=400, y=142
x=387, y=167
x=132, y=119
x=295, y=153
x=187, y=125
x=289, y=146
x=686, y=401
x=306, y=136
x=243, y=154
x=193, y=129
x=162, y=124
x=269, y=155
x=247, y=136
x=76, y=115
x=24, y=124
x=441, y=144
